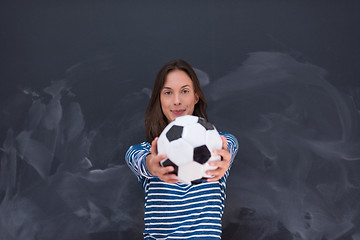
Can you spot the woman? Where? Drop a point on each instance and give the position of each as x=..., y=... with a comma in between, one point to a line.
x=175, y=210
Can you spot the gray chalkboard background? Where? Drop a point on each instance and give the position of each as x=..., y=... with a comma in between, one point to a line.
x=282, y=76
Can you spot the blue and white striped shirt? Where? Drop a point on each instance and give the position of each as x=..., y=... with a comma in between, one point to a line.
x=180, y=211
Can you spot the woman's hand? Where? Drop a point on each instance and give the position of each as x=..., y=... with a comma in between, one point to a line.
x=153, y=165
x=223, y=165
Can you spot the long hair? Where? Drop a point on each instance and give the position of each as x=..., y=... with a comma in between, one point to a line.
x=155, y=120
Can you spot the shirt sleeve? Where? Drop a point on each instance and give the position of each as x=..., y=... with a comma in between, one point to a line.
x=135, y=158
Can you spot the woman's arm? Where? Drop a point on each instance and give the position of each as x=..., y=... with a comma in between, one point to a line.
x=135, y=158
x=232, y=144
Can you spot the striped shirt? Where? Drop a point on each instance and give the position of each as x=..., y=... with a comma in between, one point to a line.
x=180, y=211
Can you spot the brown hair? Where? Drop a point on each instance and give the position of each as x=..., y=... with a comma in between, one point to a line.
x=155, y=120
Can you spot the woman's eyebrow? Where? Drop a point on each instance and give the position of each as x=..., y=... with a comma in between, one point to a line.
x=187, y=85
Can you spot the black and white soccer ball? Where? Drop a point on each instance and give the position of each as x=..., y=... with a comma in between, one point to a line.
x=188, y=142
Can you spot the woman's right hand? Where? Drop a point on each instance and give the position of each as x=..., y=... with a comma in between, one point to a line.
x=153, y=165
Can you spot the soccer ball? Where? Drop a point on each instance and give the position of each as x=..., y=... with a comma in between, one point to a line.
x=188, y=142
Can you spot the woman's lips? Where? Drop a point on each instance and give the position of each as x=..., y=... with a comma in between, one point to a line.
x=177, y=112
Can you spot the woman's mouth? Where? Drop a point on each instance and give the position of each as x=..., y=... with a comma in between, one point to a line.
x=177, y=112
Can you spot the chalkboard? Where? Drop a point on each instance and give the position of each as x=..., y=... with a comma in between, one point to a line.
x=282, y=76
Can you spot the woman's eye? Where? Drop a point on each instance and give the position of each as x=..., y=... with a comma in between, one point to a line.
x=185, y=91
x=167, y=93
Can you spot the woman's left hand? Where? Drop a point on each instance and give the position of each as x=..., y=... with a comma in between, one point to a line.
x=223, y=165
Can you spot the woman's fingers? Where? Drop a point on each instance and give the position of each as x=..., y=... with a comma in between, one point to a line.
x=221, y=166
x=164, y=173
x=169, y=179
x=224, y=152
x=168, y=175
x=166, y=170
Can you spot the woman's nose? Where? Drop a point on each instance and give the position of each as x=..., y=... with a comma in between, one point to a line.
x=177, y=99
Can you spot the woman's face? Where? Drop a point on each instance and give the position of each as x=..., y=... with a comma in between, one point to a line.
x=177, y=97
